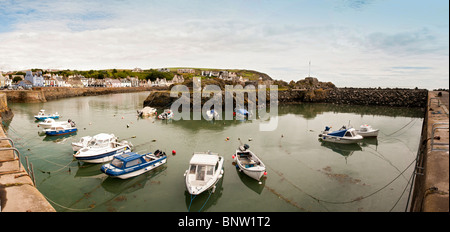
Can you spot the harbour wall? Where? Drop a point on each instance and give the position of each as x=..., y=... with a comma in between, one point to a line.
x=17, y=190
x=349, y=96
x=44, y=94
x=431, y=179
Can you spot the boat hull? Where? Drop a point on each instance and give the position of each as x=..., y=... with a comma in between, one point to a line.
x=102, y=157
x=42, y=118
x=126, y=173
x=368, y=134
x=335, y=139
x=60, y=132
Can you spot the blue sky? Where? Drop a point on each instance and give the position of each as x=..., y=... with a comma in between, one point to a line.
x=353, y=43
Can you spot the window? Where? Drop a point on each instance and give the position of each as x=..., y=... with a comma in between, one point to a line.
x=133, y=162
x=192, y=169
x=117, y=163
x=210, y=170
x=201, y=172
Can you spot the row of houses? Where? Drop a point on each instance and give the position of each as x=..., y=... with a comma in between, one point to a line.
x=36, y=79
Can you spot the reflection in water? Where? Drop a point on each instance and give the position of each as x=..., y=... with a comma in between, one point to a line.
x=205, y=200
x=252, y=184
x=345, y=150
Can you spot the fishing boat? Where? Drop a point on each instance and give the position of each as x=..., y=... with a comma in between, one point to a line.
x=167, y=114
x=249, y=163
x=367, y=131
x=343, y=135
x=82, y=143
x=49, y=122
x=212, y=114
x=42, y=116
x=131, y=164
x=61, y=129
x=102, y=148
x=205, y=170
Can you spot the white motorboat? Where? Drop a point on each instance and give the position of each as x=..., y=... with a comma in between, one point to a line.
x=42, y=116
x=367, y=131
x=132, y=164
x=61, y=129
x=212, y=114
x=205, y=170
x=102, y=148
x=49, y=122
x=342, y=135
x=167, y=114
x=82, y=143
x=249, y=163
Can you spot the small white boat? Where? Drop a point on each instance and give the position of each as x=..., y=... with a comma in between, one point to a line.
x=167, y=114
x=42, y=116
x=212, y=114
x=146, y=112
x=249, y=163
x=49, y=122
x=82, y=143
x=342, y=135
x=205, y=170
x=61, y=129
x=367, y=131
x=132, y=164
x=102, y=148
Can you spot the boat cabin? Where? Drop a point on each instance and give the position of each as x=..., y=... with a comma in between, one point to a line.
x=131, y=159
x=102, y=140
x=203, y=167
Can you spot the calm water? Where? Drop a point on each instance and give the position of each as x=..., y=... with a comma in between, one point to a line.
x=303, y=173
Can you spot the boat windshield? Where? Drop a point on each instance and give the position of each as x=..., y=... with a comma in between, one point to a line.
x=200, y=172
x=117, y=163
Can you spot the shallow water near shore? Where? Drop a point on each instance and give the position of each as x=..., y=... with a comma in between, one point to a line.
x=304, y=174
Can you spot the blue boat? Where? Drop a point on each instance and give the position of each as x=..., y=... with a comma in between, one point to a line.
x=61, y=129
x=42, y=116
x=131, y=164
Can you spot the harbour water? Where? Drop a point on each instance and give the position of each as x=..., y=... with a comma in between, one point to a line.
x=304, y=174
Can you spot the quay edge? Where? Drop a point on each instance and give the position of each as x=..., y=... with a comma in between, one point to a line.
x=17, y=191
x=431, y=185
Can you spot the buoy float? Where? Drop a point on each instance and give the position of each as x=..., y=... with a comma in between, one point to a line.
x=174, y=152
x=232, y=156
x=265, y=173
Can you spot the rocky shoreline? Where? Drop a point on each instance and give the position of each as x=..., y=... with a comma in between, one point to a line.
x=313, y=91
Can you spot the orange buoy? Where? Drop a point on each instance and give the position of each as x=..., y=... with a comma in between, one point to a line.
x=265, y=173
x=174, y=152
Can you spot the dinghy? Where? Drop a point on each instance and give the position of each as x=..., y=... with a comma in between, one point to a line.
x=249, y=163
x=131, y=164
x=205, y=170
x=212, y=114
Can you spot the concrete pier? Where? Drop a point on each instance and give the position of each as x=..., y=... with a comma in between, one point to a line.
x=17, y=191
x=431, y=186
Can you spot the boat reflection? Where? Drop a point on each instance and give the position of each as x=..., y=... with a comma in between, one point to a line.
x=252, y=184
x=205, y=200
x=345, y=150
x=117, y=186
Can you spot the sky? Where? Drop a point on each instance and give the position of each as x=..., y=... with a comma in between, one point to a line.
x=351, y=43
